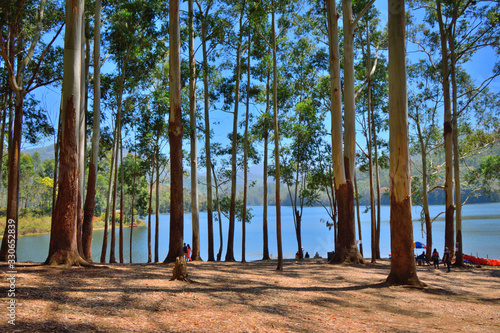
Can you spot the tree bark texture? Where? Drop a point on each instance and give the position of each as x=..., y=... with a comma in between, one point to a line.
x=63, y=243
x=210, y=216
x=175, y=132
x=403, y=270
x=448, y=134
x=194, y=146
x=276, y=145
x=90, y=202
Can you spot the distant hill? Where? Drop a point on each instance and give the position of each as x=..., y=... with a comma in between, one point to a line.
x=45, y=152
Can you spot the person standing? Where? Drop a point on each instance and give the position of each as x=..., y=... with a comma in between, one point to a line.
x=435, y=258
x=188, y=255
x=447, y=258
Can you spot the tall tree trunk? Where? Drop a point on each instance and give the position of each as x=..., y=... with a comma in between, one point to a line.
x=195, y=217
x=276, y=145
x=459, y=260
x=210, y=221
x=448, y=134
x=234, y=147
x=132, y=208
x=377, y=181
x=89, y=205
x=356, y=195
x=403, y=270
x=245, y=157
x=63, y=243
x=265, y=255
x=12, y=211
x=112, y=258
x=15, y=76
x=221, y=243
x=175, y=132
x=370, y=147
x=7, y=105
x=122, y=208
x=80, y=130
x=108, y=201
x=150, y=209
x=347, y=250
x=157, y=205
x=341, y=187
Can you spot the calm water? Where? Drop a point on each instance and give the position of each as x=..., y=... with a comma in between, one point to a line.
x=481, y=235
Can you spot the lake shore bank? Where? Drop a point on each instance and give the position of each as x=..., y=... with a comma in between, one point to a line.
x=309, y=295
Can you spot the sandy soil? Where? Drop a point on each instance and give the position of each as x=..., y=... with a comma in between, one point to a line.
x=308, y=296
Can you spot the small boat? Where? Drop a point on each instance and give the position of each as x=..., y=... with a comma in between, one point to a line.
x=132, y=225
x=481, y=261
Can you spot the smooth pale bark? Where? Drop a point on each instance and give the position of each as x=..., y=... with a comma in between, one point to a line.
x=132, y=208
x=112, y=257
x=195, y=255
x=210, y=221
x=150, y=207
x=234, y=147
x=89, y=205
x=358, y=214
x=377, y=181
x=349, y=92
x=81, y=138
x=370, y=147
x=122, y=208
x=341, y=187
x=459, y=260
x=265, y=235
x=219, y=214
x=175, y=132
x=403, y=270
x=108, y=202
x=63, y=247
x=448, y=135
x=276, y=146
x=157, y=205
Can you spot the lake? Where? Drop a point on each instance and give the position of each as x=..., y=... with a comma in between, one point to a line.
x=481, y=235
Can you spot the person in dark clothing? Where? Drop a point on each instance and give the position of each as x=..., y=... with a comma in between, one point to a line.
x=435, y=258
x=307, y=255
x=447, y=258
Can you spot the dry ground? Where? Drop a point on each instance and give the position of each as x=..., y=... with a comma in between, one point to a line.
x=308, y=296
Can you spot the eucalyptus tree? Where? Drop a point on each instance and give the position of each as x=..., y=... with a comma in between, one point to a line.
x=193, y=139
x=90, y=202
x=175, y=133
x=371, y=72
x=29, y=61
x=133, y=36
x=260, y=131
x=304, y=124
x=403, y=270
x=464, y=27
x=63, y=235
x=240, y=48
x=424, y=100
x=212, y=25
x=346, y=249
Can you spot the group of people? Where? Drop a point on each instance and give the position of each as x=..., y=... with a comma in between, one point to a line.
x=298, y=255
x=435, y=258
x=187, y=252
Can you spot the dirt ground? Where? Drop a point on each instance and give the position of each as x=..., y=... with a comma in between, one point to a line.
x=308, y=296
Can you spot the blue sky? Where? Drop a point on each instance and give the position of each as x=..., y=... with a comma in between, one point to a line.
x=480, y=66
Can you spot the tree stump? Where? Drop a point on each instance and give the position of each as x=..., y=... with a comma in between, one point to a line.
x=180, y=270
